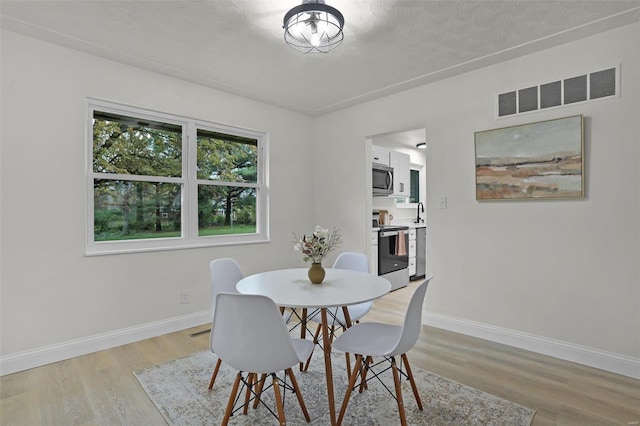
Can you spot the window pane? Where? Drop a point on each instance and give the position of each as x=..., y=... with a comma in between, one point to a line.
x=224, y=210
x=227, y=158
x=128, y=210
x=414, y=196
x=129, y=145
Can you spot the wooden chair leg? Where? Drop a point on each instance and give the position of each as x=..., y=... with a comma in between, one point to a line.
x=296, y=388
x=250, y=380
x=396, y=381
x=303, y=335
x=348, y=362
x=232, y=398
x=279, y=404
x=215, y=373
x=259, y=387
x=347, y=318
x=352, y=382
x=315, y=342
x=363, y=382
x=405, y=361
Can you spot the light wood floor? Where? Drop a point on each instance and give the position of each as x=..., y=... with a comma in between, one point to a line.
x=100, y=389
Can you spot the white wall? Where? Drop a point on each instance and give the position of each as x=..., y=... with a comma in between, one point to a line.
x=51, y=293
x=565, y=271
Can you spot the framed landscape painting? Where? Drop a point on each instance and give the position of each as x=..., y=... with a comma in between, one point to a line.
x=542, y=160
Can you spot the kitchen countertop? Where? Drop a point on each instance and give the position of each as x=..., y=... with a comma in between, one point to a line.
x=414, y=225
x=410, y=225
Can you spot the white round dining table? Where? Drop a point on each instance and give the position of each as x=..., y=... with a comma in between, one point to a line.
x=291, y=288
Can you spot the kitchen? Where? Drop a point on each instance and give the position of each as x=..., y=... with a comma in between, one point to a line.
x=398, y=233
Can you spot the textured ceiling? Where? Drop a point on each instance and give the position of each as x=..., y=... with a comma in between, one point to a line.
x=237, y=46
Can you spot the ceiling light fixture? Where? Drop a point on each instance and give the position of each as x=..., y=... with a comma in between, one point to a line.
x=313, y=26
x=421, y=145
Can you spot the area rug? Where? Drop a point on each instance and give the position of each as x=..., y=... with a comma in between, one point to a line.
x=178, y=389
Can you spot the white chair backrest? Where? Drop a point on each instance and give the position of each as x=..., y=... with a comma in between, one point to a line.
x=225, y=274
x=412, y=320
x=248, y=334
x=353, y=261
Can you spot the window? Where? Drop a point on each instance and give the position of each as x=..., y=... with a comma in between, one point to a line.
x=225, y=208
x=158, y=181
x=415, y=186
x=417, y=191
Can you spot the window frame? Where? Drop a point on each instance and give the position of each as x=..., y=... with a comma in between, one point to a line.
x=403, y=203
x=188, y=180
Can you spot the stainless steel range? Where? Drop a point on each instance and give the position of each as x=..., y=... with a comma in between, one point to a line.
x=393, y=254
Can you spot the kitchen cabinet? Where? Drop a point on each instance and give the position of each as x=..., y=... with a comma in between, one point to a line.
x=417, y=252
x=412, y=252
x=373, y=264
x=400, y=162
x=380, y=155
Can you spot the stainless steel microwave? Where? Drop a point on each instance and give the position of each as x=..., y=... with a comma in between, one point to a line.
x=381, y=180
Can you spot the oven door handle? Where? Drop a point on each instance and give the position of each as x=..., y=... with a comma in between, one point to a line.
x=384, y=234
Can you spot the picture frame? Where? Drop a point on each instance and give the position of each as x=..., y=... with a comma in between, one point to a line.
x=541, y=160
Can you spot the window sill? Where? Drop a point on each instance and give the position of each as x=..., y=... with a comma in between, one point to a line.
x=111, y=248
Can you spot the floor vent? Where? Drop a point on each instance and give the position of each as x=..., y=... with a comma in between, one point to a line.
x=198, y=333
x=582, y=88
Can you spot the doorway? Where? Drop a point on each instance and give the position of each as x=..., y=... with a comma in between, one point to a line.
x=410, y=141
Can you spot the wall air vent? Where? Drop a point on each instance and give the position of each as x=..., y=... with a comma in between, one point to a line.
x=581, y=88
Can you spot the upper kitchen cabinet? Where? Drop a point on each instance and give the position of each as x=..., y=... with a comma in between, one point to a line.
x=380, y=155
x=400, y=162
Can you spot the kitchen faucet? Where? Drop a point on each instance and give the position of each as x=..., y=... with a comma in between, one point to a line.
x=420, y=207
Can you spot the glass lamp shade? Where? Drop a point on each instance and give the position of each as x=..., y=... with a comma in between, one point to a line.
x=313, y=27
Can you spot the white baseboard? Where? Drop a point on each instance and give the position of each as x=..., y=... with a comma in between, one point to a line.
x=20, y=361
x=619, y=364
x=608, y=361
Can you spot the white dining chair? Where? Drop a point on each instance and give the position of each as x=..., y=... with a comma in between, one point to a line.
x=224, y=274
x=353, y=261
x=373, y=339
x=249, y=335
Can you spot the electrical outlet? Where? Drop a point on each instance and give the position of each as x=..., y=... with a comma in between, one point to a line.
x=184, y=297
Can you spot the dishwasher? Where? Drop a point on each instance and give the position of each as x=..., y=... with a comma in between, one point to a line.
x=421, y=253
